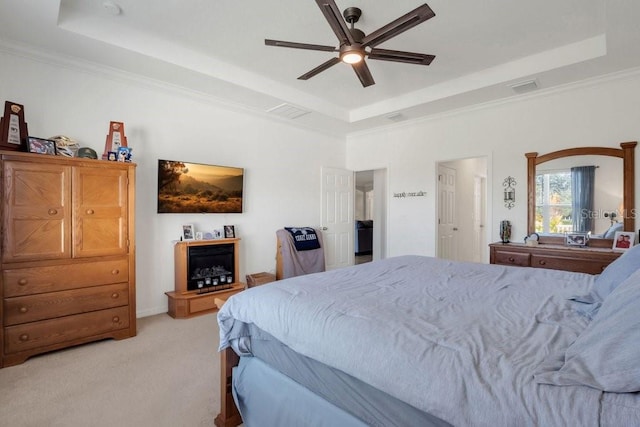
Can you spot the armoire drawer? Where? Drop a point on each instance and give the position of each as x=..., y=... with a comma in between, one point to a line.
x=31, y=308
x=64, y=329
x=37, y=280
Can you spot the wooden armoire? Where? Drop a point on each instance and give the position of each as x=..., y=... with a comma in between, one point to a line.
x=67, y=255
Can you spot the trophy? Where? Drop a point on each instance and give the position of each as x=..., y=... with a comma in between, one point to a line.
x=13, y=128
x=115, y=140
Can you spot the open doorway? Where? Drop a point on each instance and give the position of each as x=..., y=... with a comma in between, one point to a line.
x=370, y=215
x=462, y=209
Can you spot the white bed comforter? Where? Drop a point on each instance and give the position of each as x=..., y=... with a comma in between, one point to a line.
x=458, y=340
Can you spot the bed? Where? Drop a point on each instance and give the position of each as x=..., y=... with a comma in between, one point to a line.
x=415, y=340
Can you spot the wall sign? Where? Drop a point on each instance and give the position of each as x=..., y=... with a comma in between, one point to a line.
x=404, y=194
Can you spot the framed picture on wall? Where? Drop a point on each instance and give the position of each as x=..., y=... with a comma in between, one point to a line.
x=188, y=232
x=623, y=240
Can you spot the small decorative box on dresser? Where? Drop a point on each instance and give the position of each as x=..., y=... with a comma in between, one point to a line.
x=555, y=257
x=68, y=253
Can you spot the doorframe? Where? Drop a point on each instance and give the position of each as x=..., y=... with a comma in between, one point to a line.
x=380, y=211
x=488, y=229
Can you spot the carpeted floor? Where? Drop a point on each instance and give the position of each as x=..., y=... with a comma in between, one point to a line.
x=168, y=375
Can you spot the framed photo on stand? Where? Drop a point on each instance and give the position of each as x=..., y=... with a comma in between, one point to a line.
x=229, y=232
x=623, y=240
x=576, y=239
x=41, y=145
x=188, y=232
x=124, y=154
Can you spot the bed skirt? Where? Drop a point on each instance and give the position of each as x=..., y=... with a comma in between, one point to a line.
x=266, y=398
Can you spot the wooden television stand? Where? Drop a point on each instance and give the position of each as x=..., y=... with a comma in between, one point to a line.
x=184, y=303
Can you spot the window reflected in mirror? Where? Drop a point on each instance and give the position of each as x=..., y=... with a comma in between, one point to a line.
x=581, y=194
x=553, y=202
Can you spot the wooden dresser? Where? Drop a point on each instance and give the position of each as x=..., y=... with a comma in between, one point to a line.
x=555, y=257
x=67, y=255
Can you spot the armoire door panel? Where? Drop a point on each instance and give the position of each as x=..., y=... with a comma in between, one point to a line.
x=100, y=212
x=38, y=210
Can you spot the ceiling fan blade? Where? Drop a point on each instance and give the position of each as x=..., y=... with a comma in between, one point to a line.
x=399, y=56
x=320, y=68
x=336, y=22
x=399, y=26
x=363, y=73
x=294, y=45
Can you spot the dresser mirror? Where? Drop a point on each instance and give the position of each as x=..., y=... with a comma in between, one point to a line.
x=610, y=171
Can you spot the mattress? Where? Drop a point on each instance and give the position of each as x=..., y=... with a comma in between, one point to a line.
x=372, y=406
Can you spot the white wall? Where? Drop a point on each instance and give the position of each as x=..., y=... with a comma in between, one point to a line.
x=602, y=113
x=282, y=163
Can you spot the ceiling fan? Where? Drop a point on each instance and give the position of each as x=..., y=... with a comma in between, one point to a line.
x=353, y=43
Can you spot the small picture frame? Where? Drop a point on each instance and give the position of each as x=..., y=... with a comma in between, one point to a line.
x=124, y=154
x=41, y=145
x=576, y=239
x=188, y=232
x=112, y=156
x=229, y=232
x=623, y=240
x=218, y=233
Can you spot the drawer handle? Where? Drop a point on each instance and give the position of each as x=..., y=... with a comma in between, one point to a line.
x=52, y=211
x=23, y=309
x=115, y=271
x=115, y=295
x=22, y=282
x=24, y=337
x=511, y=259
x=90, y=211
x=542, y=262
x=115, y=319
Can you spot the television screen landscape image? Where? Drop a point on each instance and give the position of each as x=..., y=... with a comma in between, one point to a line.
x=199, y=188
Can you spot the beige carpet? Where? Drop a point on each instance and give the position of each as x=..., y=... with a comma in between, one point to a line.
x=168, y=375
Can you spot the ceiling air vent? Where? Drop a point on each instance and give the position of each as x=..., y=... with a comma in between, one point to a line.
x=288, y=111
x=396, y=117
x=525, y=86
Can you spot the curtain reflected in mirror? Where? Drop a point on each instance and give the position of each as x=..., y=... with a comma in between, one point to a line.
x=582, y=195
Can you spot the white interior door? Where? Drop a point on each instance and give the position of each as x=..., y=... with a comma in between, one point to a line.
x=447, y=237
x=337, y=216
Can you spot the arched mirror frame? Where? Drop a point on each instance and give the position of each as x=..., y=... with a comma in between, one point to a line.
x=626, y=153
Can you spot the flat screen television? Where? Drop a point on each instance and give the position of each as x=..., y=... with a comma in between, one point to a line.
x=199, y=188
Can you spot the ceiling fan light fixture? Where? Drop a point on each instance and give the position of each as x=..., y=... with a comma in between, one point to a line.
x=351, y=57
x=351, y=54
